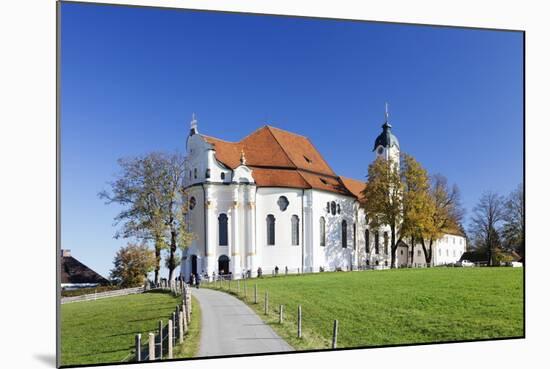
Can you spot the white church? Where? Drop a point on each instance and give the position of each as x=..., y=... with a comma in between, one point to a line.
x=271, y=201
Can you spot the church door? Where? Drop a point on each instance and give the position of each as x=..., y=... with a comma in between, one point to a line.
x=223, y=265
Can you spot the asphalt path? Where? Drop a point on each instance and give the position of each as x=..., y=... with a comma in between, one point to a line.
x=229, y=327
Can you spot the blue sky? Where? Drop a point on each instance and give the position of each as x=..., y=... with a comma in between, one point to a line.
x=131, y=77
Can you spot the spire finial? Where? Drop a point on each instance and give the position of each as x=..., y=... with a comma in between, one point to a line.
x=194, y=129
x=387, y=112
x=243, y=158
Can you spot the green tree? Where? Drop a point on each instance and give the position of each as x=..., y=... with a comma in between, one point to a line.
x=384, y=204
x=513, y=230
x=418, y=204
x=486, y=221
x=444, y=214
x=150, y=190
x=131, y=265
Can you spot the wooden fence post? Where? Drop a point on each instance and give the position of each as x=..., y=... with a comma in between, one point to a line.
x=160, y=339
x=180, y=326
x=174, y=316
x=190, y=304
x=188, y=313
x=151, y=346
x=299, y=321
x=138, y=347
x=266, y=303
x=335, y=334
x=280, y=314
x=256, y=293
x=170, y=346
x=184, y=313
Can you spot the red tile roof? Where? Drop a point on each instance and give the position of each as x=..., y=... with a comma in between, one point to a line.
x=354, y=186
x=280, y=158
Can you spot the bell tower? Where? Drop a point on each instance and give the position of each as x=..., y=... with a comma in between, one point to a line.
x=386, y=144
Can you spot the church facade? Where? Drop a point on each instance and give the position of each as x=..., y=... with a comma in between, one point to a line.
x=271, y=201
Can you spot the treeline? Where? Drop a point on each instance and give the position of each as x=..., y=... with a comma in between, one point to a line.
x=150, y=190
x=498, y=225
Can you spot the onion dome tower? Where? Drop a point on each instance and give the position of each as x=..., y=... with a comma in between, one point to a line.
x=386, y=144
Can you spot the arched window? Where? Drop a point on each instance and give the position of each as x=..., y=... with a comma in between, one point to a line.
x=295, y=230
x=386, y=241
x=222, y=176
x=333, y=208
x=270, y=220
x=338, y=210
x=367, y=241
x=195, y=173
x=376, y=243
x=354, y=236
x=322, y=232
x=344, y=233
x=222, y=229
x=207, y=174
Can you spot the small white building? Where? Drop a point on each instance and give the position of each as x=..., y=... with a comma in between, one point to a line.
x=272, y=201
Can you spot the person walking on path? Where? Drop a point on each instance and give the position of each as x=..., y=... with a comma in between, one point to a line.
x=198, y=280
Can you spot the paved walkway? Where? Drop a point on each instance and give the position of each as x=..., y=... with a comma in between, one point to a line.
x=229, y=327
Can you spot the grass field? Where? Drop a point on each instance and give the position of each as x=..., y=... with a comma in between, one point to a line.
x=394, y=306
x=103, y=331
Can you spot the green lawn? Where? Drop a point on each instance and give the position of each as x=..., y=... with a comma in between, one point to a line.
x=103, y=331
x=394, y=306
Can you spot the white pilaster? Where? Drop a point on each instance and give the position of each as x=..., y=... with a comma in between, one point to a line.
x=234, y=245
x=209, y=264
x=251, y=252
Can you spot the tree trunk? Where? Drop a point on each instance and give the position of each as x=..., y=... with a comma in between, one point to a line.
x=489, y=249
x=393, y=247
x=427, y=251
x=430, y=253
x=171, y=263
x=157, y=266
x=412, y=251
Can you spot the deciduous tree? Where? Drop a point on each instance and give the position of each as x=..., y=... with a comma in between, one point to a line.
x=418, y=204
x=384, y=200
x=444, y=215
x=486, y=221
x=150, y=190
x=513, y=230
x=131, y=265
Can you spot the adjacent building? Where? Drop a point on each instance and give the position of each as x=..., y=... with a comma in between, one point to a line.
x=75, y=274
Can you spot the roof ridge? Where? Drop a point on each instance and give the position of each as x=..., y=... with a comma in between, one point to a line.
x=219, y=139
x=281, y=146
x=353, y=179
x=284, y=130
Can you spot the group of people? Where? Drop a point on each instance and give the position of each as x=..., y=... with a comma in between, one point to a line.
x=196, y=279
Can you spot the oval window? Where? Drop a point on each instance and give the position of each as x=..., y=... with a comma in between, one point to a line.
x=192, y=203
x=283, y=203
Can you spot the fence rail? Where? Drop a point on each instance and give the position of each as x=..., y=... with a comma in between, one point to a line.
x=102, y=295
x=161, y=343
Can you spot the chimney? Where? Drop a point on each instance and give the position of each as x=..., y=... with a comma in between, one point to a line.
x=65, y=252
